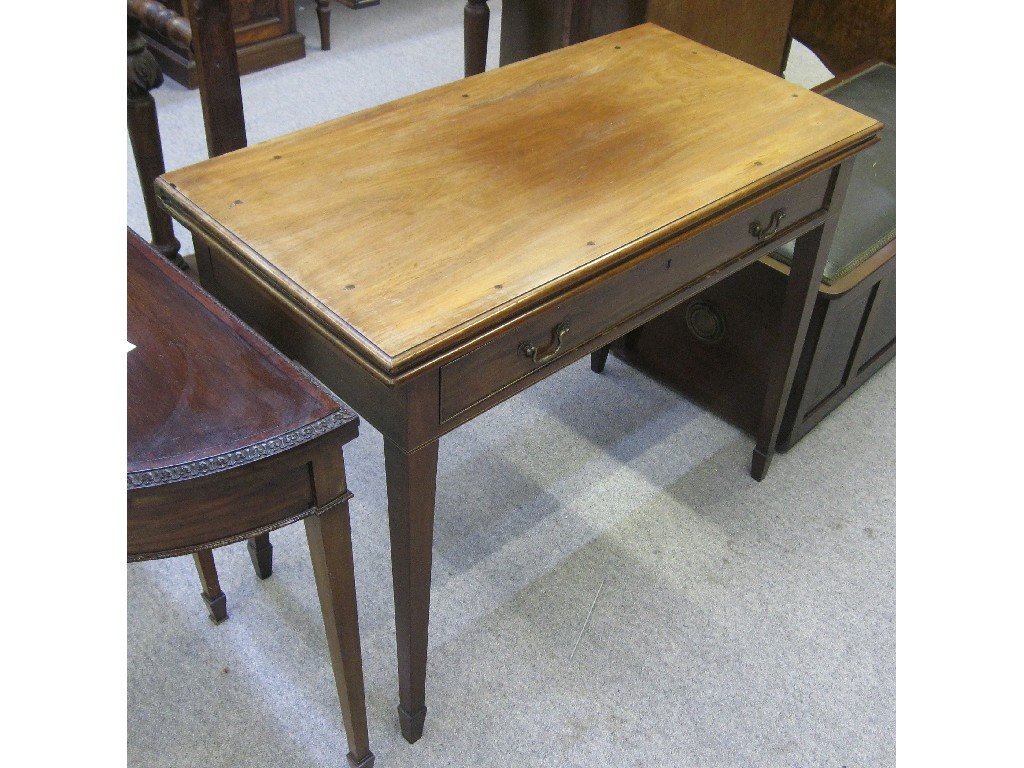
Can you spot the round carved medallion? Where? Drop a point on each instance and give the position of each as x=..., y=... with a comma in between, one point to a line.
x=705, y=322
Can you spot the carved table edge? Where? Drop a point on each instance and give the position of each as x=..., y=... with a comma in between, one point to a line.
x=265, y=448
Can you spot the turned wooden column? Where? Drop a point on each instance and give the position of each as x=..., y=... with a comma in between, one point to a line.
x=144, y=131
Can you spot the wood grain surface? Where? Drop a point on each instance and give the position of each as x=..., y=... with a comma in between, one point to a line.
x=200, y=383
x=411, y=226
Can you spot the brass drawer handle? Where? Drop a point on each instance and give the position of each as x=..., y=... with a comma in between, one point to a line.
x=773, y=226
x=557, y=334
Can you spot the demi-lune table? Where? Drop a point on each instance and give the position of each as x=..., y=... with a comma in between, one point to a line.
x=228, y=440
x=431, y=257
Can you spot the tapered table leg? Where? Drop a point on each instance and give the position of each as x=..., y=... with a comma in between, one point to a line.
x=330, y=549
x=412, y=482
x=801, y=290
x=261, y=552
x=476, y=17
x=599, y=357
x=214, y=598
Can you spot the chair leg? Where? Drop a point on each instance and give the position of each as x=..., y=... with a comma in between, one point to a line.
x=600, y=356
x=215, y=599
x=261, y=552
x=475, y=18
x=323, y=18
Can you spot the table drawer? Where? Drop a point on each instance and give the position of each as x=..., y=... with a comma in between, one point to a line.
x=556, y=330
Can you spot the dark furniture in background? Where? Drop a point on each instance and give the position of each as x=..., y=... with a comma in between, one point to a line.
x=755, y=31
x=264, y=31
x=844, y=34
x=712, y=348
x=227, y=440
x=144, y=75
x=207, y=32
x=323, y=17
x=265, y=36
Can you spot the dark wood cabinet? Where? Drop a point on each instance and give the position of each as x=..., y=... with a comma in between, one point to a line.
x=754, y=31
x=265, y=36
x=712, y=348
x=532, y=27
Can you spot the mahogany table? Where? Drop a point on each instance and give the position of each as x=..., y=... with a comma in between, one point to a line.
x=227, y=440
x=431, y=257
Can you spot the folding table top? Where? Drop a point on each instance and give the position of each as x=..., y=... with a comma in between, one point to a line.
x=408, y=227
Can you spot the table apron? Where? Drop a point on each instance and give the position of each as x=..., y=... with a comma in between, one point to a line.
x=491, y=366
x=570, y=325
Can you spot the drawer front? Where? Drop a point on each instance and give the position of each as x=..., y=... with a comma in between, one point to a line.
x=563, y=326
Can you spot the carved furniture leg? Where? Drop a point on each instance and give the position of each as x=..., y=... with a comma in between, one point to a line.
x=215, y=600
x=323, y=18
x=412, y=483
x=801, y=290
x=330, y=549
x=144, y=131
x=476, y=17
x=261, y=552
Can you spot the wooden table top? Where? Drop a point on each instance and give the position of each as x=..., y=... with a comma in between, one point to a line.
x=204, y=391
x=407, y=228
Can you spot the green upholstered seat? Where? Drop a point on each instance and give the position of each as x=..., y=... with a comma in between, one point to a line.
x=868, y=219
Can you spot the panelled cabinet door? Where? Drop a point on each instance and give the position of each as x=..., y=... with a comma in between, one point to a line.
x=265, y=36
x=257, y=20
x=254, y=20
